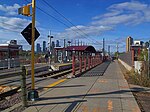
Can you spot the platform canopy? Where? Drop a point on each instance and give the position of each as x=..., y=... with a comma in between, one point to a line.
x=89, y=49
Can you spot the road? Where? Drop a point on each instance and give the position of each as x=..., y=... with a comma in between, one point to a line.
x=95, y=91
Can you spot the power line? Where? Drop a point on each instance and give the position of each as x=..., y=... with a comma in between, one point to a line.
x=66, y=18
x=58, y=21
x=61, y=22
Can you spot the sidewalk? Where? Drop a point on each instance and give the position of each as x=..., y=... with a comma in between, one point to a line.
x=108, y=92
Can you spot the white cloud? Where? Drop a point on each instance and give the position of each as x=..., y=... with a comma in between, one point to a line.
x=132, y=6
x=81, y=31
x=124, y=13
x=127, y=13
x=10, y=10
x=13, y=23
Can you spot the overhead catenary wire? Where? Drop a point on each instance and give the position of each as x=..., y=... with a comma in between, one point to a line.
x=60, y=21
x=66, y=19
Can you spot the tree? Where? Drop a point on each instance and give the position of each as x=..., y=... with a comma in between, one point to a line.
x=143, y=55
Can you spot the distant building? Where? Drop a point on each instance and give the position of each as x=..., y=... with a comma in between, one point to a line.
x=146, y=44
x=57, y=43
x=9, y=54
x=138, y=43
x=38, y=48
x=44, y=46
x=129, y=42
x=136, y=49
x=53, y=44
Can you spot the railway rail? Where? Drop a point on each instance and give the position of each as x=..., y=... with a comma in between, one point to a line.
x=50, y=74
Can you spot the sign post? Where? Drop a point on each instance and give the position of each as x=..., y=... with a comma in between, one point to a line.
x=148, y=74
x=31, y=34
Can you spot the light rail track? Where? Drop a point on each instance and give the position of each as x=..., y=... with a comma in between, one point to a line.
x=50, y=74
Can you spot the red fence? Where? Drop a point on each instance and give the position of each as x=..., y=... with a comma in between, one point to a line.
x=82, y=64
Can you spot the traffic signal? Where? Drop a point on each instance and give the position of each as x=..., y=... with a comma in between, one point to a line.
x=25, y=10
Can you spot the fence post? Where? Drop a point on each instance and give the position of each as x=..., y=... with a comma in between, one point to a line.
x=23, y=86
x=91, y=62
x=85, y=63
x=73, y=65
x=88, y=62
x=80, y=64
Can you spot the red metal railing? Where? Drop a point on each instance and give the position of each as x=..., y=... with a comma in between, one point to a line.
x=86, y=63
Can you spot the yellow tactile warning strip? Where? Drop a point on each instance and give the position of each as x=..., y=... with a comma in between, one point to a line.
x=54, y=84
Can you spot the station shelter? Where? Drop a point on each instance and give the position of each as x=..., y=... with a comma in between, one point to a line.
x=69, y=51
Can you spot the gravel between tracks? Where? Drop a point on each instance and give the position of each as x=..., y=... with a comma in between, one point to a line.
x=10, y=101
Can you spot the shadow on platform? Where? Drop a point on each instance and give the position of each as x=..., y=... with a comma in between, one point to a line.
x=96, y=94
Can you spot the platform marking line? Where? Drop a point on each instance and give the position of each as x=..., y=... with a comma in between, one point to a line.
x=110, y=105
x=102, y=81
x=84, y=108
x=96, y=109
x=54, y=84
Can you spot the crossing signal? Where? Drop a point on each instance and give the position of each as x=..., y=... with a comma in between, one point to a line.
x=25, y=10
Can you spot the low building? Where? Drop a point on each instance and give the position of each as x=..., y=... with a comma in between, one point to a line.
x=9, y=55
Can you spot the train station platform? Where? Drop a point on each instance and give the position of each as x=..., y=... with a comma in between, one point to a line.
x=102, y=89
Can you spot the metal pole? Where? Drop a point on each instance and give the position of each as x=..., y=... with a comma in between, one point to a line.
x=33, y=94
x=117, y=51
x=49, y=36
x=32, y=46
x=103, y=48
x=148, y=75
x=73, y=65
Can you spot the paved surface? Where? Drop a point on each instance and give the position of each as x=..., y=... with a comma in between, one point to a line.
x=108, y=92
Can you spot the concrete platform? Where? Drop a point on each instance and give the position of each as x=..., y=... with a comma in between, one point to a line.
x=107, y=91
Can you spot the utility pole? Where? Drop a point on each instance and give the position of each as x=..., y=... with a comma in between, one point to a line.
x=64, y=53
x=103, y=48
x=117, y=51
x=50, y=37
x=109, y=50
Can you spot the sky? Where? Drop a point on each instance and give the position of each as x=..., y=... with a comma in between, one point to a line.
x=84, y=20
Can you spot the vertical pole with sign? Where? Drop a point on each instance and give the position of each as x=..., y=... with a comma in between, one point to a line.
x=33, y=94
x=148, y=74
x=31, y=34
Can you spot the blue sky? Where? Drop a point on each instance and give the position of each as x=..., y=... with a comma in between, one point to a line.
x=93, y=20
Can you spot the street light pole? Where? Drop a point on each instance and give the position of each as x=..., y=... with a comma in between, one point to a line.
x=49, y=36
